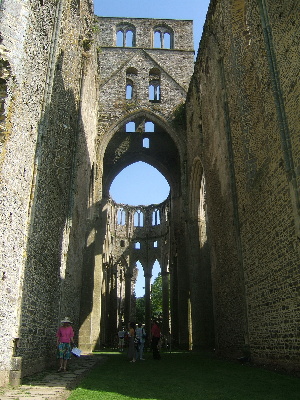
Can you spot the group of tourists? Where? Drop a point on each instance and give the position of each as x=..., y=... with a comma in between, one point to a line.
x=135, y=337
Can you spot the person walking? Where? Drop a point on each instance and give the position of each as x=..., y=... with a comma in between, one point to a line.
x=131, y=347
x=65, y=336
x=140, y=334
x=155, y=338
x=121, y=336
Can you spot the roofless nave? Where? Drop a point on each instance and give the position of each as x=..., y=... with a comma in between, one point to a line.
x=78, y=93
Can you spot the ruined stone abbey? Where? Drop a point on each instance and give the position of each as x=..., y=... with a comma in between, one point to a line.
x=83, y=97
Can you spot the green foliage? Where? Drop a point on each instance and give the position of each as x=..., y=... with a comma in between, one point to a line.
x=156, y=296
x=179, y=116
x=86, y=44
x=192, y=376
x=96, y=27
x=140, y=310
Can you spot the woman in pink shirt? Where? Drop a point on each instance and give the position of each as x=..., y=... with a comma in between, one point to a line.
x=65, y=336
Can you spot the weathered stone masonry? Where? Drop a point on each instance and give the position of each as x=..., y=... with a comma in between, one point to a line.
x=122, y=130
x=246, y=133
x=229, y=247
x=45, y=153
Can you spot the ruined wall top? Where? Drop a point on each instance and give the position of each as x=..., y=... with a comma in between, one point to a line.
x=146, y=32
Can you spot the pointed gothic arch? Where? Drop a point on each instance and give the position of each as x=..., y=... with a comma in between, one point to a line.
x=116, y=156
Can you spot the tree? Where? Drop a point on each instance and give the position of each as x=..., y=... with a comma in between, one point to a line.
x=140, y=309
x=156, y=301
x=156, y=296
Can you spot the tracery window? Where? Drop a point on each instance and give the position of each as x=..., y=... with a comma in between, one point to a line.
x=131, y=75
x=138, y=218
x=125, y=35
x=154, y=85
x=163, y=37
x=156, y=217
x=121, y=217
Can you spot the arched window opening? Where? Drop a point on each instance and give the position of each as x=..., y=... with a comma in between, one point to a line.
x=156, y=217
x=149, y=126
x=146, y=143
x=131, y=74
x=130, y=126
x=129, y=39
x=202, y=214
x=163, y=37
x=137, y=245
x=157, y=40
x=125, y=35
x=120, y=39
x=155, y=244
x=154, y=85
x=129, y=90
x=131, y=180
x=156, y=269
x=156, y=290
x=140, y=290
x=167, y=40
x=121, y=217
x=138, y=218
x=154, y=91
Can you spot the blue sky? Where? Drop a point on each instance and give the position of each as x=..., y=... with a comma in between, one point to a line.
x=141, y=184
x=169, y=9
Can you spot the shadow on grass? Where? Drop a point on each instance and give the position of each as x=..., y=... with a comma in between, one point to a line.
x=185, y=376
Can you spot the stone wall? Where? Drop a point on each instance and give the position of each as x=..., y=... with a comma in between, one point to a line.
x=46, y=134
x=142, y=58
x=117, y=148
x=242, y=125
x=234, y=177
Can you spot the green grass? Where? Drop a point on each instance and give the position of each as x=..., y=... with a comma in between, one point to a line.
x=183, y=376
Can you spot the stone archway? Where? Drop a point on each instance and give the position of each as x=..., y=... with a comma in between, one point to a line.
x=124, y=148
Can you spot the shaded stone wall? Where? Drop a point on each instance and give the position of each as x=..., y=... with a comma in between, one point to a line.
x=125, y=244
x=242, y=117
x=43, y=210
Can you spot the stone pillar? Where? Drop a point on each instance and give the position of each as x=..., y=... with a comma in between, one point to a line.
x=15, y=372
x=174, y=302
x=182, y=289
x=147, y=302
x=113, y=311
x=127, y=301
x=165, y=303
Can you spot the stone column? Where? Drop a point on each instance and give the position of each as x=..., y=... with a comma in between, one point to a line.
x=147, y=302
x=183, y=301
x=165, y=303
x=127, y=301
x=174, y=301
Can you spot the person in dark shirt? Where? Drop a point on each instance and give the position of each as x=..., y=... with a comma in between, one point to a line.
x=155, y=338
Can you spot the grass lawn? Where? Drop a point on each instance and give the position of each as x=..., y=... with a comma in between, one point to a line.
x=183, y=376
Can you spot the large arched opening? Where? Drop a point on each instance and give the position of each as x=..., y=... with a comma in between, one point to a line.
x=127, y=234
